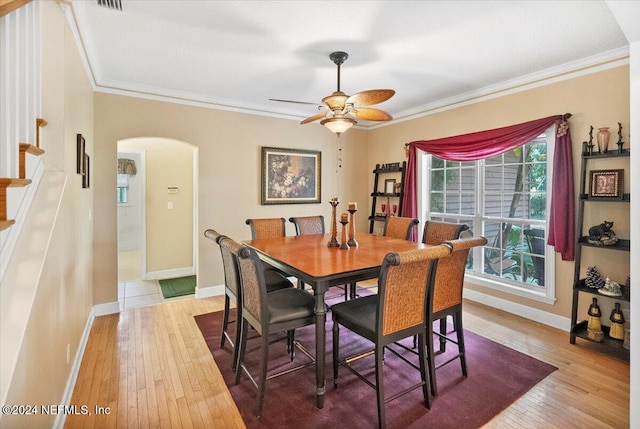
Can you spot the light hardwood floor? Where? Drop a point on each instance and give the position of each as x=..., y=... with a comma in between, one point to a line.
x=152, y=368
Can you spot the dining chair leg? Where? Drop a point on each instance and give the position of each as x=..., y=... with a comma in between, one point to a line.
x=225, y=320
x=241, y=346
x=380, y=386
x=291, y=348
x=424, y=374
x=443, y=332
x=457, y=320
x=336, y=341
x=262, y=378
x=431, y=359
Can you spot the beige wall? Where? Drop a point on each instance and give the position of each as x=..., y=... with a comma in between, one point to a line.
x=228, y=173
x=48, y=281
x=169, y=232
x=598, y=99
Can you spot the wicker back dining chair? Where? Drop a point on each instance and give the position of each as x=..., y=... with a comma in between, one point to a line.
x=281, y=310
x=398, y=311
x=400, y=227
x=307, y=225
x=445, y=300
x=233, y=291
x=267, y=227
x=394, y=227
x=439, y=232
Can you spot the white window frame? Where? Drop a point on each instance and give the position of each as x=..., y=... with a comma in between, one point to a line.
x=546, y=294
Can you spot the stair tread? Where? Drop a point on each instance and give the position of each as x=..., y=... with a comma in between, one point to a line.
x=4, y=224
x=8, y=182
x=32, y=149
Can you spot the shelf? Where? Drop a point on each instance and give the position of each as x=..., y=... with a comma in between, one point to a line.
x=624, y=245
x=388, y=170
x=579, y=330
x=398, y=197
x=626, y=198
x=378, y=217
x=382, y=194
x=613, y=154
x=579, y=286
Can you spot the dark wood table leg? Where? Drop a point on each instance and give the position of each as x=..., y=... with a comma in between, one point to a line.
x=321, y=315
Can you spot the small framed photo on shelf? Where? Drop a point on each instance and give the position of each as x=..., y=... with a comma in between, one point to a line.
x=606, y=184
x=389, y=186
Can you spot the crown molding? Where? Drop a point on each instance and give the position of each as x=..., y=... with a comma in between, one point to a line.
x=570, y=70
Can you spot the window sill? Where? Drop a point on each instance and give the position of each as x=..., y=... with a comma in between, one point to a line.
x=512, y=289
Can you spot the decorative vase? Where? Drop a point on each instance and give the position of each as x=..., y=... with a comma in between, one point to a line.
x=603, y=139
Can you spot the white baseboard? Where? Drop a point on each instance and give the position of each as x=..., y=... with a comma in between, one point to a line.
x=106, y=308
x=534, y=314
x=169, y=274
x=75, y=369
x=206, y=292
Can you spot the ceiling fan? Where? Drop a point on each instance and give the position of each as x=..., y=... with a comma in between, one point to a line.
x=339, y=108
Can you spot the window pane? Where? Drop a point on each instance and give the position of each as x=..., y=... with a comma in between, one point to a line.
x=452, y=203
x=538, y=205
x=468, y=179
x=468, y=203
x=453, y=180
x=437, y=180
x=437, y=202
x=122, y=194
x=493, y=179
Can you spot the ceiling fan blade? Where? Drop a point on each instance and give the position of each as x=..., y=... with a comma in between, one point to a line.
x=372, y=96
x=293, y=101
x=314, y=117
x=370, y=114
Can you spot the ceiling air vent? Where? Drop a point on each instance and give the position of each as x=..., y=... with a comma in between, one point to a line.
x=111, y=4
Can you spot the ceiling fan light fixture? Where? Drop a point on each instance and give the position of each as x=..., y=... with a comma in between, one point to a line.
x=338, y=125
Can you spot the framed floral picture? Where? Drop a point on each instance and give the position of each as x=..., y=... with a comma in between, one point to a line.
x=290, y=176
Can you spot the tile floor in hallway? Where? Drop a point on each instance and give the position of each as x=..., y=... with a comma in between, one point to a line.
x=132, y=291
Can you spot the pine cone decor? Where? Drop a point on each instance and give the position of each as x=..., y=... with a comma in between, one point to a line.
x=594, y=279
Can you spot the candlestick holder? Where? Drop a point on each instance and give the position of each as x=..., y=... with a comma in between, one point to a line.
x=352, y=228
x=344, y=244
x=333, y=242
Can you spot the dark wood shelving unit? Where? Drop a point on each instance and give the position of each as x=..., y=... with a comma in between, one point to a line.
x=382, y=169
x=579, y=328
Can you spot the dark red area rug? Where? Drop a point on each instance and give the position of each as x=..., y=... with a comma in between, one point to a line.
x=498, y=376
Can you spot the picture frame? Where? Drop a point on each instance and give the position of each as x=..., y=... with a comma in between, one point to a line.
x=290, y=176
x=389, y=186
x=87, y=171
x=80, y=152
x=606, y=184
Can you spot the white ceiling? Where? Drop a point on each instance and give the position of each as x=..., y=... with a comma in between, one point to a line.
x=238, y=54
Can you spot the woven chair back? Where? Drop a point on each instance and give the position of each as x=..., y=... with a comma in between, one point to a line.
x=403, y=287
x=400, y=227
x=251, y=280
x=439, y=232
x=267, y=228
x=449, y=278
x=307, y=225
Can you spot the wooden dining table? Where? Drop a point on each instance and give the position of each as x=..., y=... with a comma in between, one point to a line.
x=308, y=258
